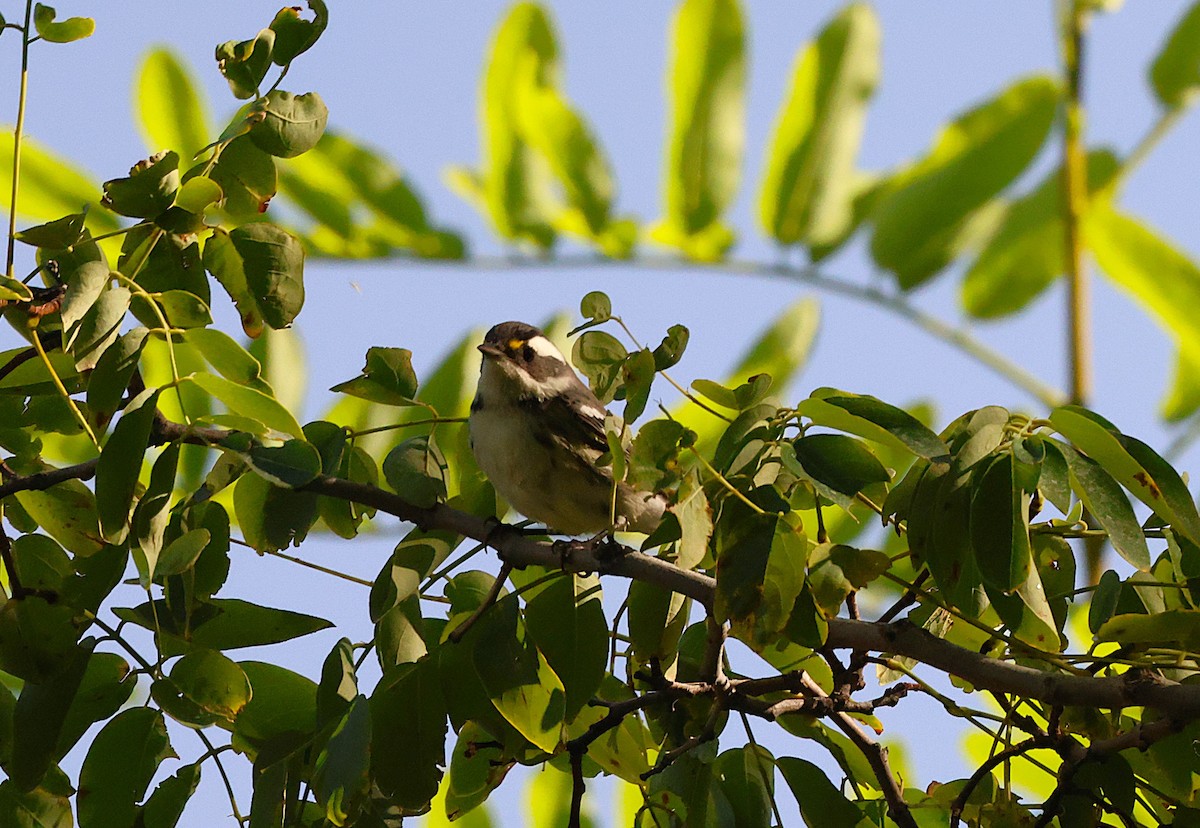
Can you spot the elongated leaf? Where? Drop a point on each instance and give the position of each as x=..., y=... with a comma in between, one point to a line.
x=343, y=768
x=1134, y=465
x=1026, y=253
x=51, y=187
x=821, y=803
x=517, y=678
x=706, y=79
x=873, y=419
x=120, y=463
x=225, y=624
x=408, y=708
x=170, y=106
x=513, y=189
x=808, y=191
x=1159, y=276
x=250, y=402
x=566, y=622
x=1106, y=501
x=999, y=526
x=1175, y=72
x=119, y=766
x=972, y=160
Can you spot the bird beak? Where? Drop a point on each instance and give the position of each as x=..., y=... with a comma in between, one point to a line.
x=490, y=350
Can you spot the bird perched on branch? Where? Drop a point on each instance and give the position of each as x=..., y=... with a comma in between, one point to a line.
x=538, y=434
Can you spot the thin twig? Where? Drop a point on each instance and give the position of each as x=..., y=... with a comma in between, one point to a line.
x=18, y=133
x=216, y=757
x=462, y=629
x=876, y=756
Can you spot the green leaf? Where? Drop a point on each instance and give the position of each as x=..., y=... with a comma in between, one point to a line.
x=782, y=583
x=1179, y=628
x=1134, y=464
x=839, y=462
x=748, y=782
x=183, y=309
x=1026, y=253
x=37, y=638
x=835, y=570
x=119, y=766
x=223, y=624
x=291, y=465
x=821, y=802
x=272, y=517
x=281, y=703
x=111, y=376
x=170, y=107
x=399, y=634
x=38, y=808
x=38, y=721
x=245, y=174
x=291, y=124
x=873, y=419
x=596, y=306
x=637, y=375
x=1175, y=72
x=513, y=188
x=105, y=688
x=165, y=806
x=211, y=682
x=808, y=188
x=273, y=263
x=1104, y=499
x=999, y=525
x=1159, y=276
x=517, y=678
x=656, y=620
x=600, y=357
x=972, y=160
x=416, y=470
x=56, y=235
x=476, y=769
x=244, y=64
x=387, y=378
x=742, y=544
x=51, y=187
x=120, y=464
x=249, y=402
x=181, y=554
x=84, y=270
x=1104, y=600
x=230, y=359
x=706, y=80
x=293, y=35
x=99, y=328
x=408, y=708
x=342, y=778
x=549, y=125
x=566, y=622
x=149, y=188
x=62, y=31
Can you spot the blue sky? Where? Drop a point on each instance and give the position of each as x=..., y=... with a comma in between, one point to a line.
x=403, y=76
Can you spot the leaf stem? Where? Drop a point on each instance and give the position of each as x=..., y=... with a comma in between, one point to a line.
x=18, y=132
x=62, y=389
x=1074, y=15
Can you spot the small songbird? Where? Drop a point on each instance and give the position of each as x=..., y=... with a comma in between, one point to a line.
x=538, y=433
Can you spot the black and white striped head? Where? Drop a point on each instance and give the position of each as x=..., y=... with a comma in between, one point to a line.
x=520, y=356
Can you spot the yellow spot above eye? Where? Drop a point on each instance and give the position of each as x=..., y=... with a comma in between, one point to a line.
x=515, y=345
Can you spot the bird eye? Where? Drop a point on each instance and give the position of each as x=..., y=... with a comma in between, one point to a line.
x=527, y=354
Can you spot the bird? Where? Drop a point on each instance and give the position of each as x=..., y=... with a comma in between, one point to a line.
x=537, y=432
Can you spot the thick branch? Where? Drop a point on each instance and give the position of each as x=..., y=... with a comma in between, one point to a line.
x=900, y=638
